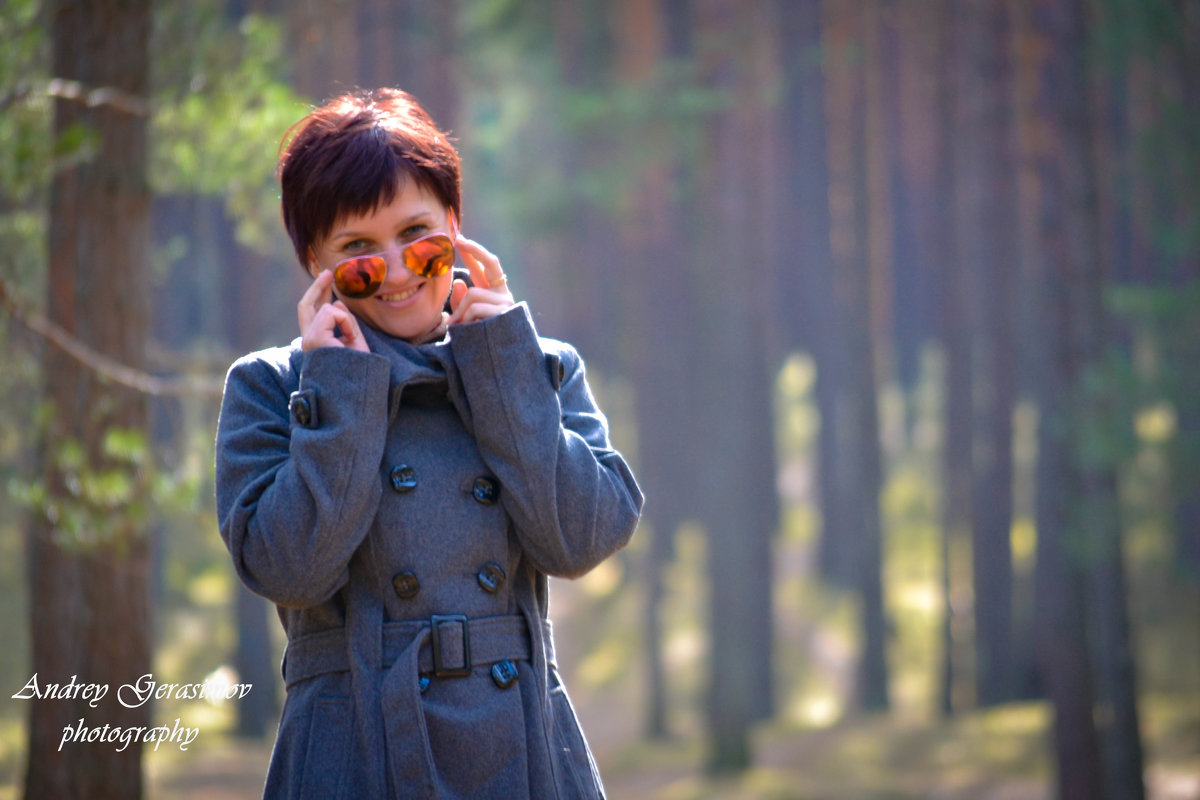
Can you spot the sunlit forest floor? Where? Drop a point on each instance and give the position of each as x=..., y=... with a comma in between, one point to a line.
x=996, y=755
x=1000, y=754
x=810, y=751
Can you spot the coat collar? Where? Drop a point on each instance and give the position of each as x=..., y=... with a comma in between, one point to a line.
x=420, y=370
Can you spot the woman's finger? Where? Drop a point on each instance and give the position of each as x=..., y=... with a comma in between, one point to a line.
x=457, y=291
x=348, y=325
x=475, y=304
x=319, y=293
x=333, y=326
x=480, y=311
x=484, y=264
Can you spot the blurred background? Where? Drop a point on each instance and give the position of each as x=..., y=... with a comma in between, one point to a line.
x=894, y=305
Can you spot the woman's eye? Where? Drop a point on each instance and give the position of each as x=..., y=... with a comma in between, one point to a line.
x=355, y=246
x=413, y=231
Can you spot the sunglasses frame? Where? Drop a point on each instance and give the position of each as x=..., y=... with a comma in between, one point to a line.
x=373, y=286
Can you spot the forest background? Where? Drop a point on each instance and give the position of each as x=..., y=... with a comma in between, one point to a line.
x=893, y=304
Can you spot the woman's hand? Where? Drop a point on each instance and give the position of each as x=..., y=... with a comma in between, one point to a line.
x=319, y=315
x=490, y=294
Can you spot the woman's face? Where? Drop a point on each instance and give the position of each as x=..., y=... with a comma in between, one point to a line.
x=406, y=306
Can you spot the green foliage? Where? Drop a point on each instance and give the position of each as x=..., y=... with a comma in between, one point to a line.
x=99, y=505
x=1104, y=405
x=556, y=118
x=1166, y=144
x=23, y=109
x=220, y=107
x=29, y=152
x=1133, y=28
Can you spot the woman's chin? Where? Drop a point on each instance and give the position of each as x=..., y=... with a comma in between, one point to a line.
x=409, y=326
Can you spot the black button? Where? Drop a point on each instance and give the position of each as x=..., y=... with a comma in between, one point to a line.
x=558, y=371
x=490, y=577
x=404, y=478
x=504, y=673
x=486, y=490
x=406, y=585
x=302, y=410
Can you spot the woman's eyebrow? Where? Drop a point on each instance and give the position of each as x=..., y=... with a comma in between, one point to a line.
x=404, y=223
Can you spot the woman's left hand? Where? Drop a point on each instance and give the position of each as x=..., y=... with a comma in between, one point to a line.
x=489, y=296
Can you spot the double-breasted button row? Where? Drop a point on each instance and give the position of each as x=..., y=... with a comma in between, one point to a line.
x=490, y=577
x=485, y=489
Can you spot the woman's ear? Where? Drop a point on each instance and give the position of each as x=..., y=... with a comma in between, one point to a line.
x=314, y=269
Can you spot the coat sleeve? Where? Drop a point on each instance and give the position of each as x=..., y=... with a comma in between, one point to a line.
x=572, y=497
x=297, y=474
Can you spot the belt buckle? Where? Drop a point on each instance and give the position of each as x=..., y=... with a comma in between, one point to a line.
x=440, y=670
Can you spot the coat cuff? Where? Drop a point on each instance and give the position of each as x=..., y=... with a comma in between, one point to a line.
x=507, y=339
x=340, y=388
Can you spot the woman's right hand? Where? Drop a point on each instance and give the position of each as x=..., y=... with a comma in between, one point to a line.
x=322, y=318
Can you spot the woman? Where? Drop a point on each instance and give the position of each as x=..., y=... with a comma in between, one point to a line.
x=401, y=480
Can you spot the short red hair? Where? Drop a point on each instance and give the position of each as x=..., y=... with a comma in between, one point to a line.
x=353, y=154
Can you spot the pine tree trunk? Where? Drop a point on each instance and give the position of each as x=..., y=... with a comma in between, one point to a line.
x=1091, y=522
x=651, y=225
x=910, y=282
x=804, y=287
x=90, y=612
x=988, y=231
x=255, y=664
x=737, y=467
x=857, y=427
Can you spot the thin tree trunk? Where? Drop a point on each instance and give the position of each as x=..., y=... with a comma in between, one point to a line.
x=1071, y=217
x=988, y=226
x=737, y=466
x=255, y=665
x=805, y=275
x=909, y=273
x=859, y=437
x=651, y=226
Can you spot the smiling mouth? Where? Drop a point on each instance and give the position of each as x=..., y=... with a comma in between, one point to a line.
x=395, y=297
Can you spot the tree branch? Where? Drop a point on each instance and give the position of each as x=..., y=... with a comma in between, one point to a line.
x=89, y=96
x=136, y=379
x=98, y=96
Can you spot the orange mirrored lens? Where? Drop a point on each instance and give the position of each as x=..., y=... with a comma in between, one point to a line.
x=431, y=256
x=360, y=277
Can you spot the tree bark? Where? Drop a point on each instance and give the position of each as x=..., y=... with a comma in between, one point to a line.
x=803, y=289
x=1090, y=529
x=988, y=230
x=650, y=224
x=857, y=428
x=910, y=274
x=737, y=467
x=89, y=583
x=953, y=303
x=255, y=664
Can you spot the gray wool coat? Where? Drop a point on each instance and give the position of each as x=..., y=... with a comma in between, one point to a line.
x=403, y=509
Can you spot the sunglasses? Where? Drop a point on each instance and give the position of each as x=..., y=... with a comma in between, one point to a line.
x=361, y=276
